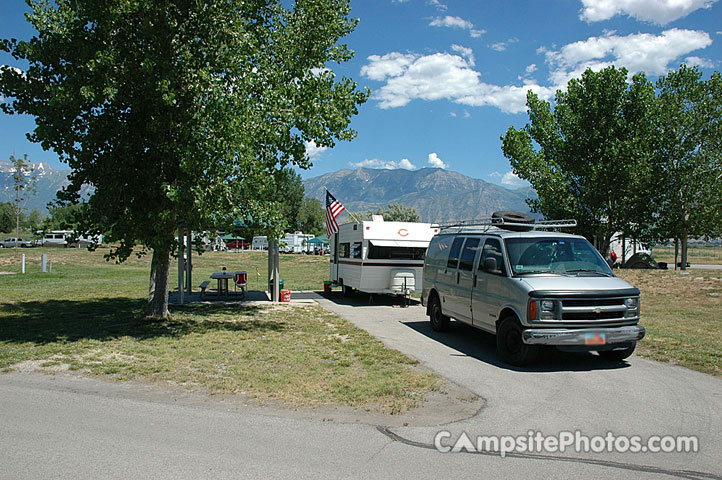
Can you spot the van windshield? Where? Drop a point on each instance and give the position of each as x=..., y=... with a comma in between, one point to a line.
x=564, y=256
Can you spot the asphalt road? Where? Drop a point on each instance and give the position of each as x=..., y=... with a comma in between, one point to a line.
x=563, y=393
x=73, y=427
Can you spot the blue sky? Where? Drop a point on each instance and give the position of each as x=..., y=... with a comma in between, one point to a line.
x=449, y=77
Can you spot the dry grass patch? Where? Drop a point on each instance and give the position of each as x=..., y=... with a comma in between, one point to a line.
x=680, y=311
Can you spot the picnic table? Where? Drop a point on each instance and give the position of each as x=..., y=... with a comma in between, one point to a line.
x=222, y=278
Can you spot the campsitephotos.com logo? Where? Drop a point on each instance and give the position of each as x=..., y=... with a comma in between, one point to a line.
x=576, y=441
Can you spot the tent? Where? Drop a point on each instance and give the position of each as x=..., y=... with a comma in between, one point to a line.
x=320, y=240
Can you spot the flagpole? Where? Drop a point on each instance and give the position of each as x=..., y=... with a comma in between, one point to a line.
x=347, y=210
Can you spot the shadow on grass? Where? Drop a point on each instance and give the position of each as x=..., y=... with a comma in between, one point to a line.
x=110, y=318
x=472, y=342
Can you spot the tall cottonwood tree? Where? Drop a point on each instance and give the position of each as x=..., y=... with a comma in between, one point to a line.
x=688, y=156
x=180, y=110
x=588, y=156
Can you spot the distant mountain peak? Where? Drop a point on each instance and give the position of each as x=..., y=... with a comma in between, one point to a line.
x=439, y=195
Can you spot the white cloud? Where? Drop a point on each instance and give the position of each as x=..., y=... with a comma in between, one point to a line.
x=531, y=68
x=637, y=52
x=390, y=65
x=313, y=151
x=387, y=165
x=467, y=114
x=439, y=6
x=510, y=179
x=699, y=62
x=441, y=76
x=456, y=22
x=501, y=46
x=436, y=162
x=465, y=52
x=453, y=114
x=660, y=12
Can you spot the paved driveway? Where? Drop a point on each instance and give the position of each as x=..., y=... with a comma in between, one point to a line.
x=564, y=392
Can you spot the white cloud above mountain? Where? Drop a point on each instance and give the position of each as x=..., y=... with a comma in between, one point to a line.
x=436, y=162
x=384, y=164
x=660, y=12
x=441, y=76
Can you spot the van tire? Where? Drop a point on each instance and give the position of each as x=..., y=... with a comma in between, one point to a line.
x=439, y=321
x=618, y=355
x=510, y=345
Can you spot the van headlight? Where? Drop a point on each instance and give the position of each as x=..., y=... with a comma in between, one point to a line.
x=542, y=310
x=632, y=305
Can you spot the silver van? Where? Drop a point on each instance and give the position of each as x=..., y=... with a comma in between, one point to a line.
x=530, y=287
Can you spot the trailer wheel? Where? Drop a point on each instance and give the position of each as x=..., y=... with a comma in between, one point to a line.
x=347, y=291
x=618, y=355
x=439, y=321
x=510, y=345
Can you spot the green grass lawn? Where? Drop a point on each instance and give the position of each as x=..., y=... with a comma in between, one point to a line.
x=710, y=255
x=87, y=316
x=681, y=314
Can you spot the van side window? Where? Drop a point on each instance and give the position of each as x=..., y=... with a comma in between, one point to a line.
x=356, y=250
x=492, y=249
x=468, y=254
x=438, y=250
x=343, y=250
x=453, y=260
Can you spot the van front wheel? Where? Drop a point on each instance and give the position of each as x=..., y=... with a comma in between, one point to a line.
x=439, y=321
x=511, y=347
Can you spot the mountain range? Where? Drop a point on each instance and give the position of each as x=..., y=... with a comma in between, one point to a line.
x=438, y=195
x=48, y=182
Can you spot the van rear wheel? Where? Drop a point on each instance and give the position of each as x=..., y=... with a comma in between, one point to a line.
x=510, y=345
x=439, y=321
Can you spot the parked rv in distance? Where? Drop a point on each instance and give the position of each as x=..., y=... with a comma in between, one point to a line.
x=530, y=287
x=379, y=256
x=61, y=238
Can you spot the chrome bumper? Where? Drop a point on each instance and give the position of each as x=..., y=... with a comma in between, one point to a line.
x=588, y=337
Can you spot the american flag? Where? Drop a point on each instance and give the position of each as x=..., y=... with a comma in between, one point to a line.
x=333, y=210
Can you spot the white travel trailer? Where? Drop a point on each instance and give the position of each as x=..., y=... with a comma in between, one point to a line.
x=296, y=243
x=380, y=257
x=259, y=243
x=61, y=238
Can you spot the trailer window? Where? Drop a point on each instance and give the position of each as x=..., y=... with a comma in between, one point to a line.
x=356, y=250
x=377, y=252
x=343, y=250
x=454, y=252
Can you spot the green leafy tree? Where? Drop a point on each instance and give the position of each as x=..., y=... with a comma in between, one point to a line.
x=179, y=111
x=64, y=217
x=395, y=212
x=588, y=156
x=688, y=160
x=24, y=179
x=311, y=216
x=289, y=194
x=34, y=221
x=7, y=217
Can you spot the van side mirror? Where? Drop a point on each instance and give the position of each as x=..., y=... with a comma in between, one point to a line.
x=489, y=265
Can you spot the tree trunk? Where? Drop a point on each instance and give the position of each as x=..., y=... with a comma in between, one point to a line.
x=158, y=289
x=683, y=260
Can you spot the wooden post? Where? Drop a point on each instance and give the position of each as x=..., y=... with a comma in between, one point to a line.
x=676, y=251
x=180, y=263
x=189, y=265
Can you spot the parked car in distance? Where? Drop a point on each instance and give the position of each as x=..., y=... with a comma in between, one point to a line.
x=237, y=244
x=10, y=243
x=530, y=288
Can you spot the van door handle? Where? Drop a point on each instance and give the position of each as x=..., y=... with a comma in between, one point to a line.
x=474, y=280
x=457, y=278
